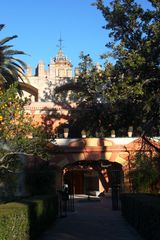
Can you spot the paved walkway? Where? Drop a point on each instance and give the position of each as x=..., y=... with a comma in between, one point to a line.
x=92, y=220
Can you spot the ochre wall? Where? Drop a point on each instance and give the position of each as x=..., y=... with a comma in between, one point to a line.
x=118, y=150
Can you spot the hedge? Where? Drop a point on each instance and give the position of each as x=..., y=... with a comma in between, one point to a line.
x=27, y=219
x=142, y=211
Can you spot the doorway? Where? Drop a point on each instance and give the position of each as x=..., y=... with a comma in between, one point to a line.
x=82, y=181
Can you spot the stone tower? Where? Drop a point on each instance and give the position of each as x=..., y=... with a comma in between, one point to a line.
x=59, y=72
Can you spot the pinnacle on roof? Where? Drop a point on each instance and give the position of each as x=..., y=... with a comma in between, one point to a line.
x=60, y=57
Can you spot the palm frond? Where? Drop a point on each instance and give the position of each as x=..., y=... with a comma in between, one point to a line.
x=7, y=39
x=2, y=26
x=13, y=52
x=4, y=47
x=11, y=68
x=22, y=63
x=18, y=66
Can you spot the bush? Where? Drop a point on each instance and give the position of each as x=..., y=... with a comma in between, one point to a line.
x=40, y=179
x=144, y=173
x=27, y=219
x=43, y=211
x=14, y=221
x=142, y=211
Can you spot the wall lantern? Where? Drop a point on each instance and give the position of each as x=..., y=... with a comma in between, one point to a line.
x=130, y=131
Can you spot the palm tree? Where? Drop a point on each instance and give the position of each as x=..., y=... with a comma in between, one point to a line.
x=11, y=68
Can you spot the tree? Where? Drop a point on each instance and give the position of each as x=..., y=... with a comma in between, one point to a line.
x=98, y=108
x=16, y=126
x=144, y=173
x=19, y=135
x=135, y=38
x=13, y=125
x=89, y=93
x=11, y=68
x=20, y=138
x=126, y=92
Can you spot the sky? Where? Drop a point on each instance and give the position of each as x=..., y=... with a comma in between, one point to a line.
x=40, y=23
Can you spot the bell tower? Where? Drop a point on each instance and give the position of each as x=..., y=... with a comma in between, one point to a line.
x=63, y=65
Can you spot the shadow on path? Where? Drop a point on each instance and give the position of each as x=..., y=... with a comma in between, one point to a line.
x=93, y=219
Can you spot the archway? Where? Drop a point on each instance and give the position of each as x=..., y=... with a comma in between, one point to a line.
x=82, y=181
x=83, y=177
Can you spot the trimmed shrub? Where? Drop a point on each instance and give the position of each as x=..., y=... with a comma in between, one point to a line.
x=142, y=211
x=40, y=179
x=27, y=219
x=42, y=211
x=14, y=221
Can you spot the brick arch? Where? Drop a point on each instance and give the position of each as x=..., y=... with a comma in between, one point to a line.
x=30, y=89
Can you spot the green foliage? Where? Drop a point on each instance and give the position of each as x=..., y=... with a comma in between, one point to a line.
x=142, y=211
x=88, y=87
x=12, y=114
x=11, y=68
x=14, y=222
x=134, y=43
x=89, y=93
x=18, y=134
x=27, y=220
x=11, y=166
x=16, y=126
x=40, y=178
x=44, y=211
x=144, y=173
x=17, y=131
x=127, y=92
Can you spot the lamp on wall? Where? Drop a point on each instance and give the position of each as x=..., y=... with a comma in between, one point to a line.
x=130, y=131
x=66, y=132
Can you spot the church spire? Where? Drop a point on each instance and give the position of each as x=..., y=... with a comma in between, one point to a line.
x=60, y=43
x=60, y=57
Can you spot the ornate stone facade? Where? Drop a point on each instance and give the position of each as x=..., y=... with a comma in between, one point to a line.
x=60, y=71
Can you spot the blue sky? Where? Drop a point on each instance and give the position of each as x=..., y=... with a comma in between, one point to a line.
x=39, y=24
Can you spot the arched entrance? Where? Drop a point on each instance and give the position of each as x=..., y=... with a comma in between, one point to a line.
x=82, y=181
x=85, y=177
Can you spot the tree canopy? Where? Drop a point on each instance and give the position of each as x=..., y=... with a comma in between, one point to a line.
x=18, y=131
x=135, y=45
x=126, y=91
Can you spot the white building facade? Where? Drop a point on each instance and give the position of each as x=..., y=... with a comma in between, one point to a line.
x=59, y=71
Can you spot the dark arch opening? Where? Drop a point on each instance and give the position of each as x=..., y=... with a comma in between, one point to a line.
x=109, y=173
